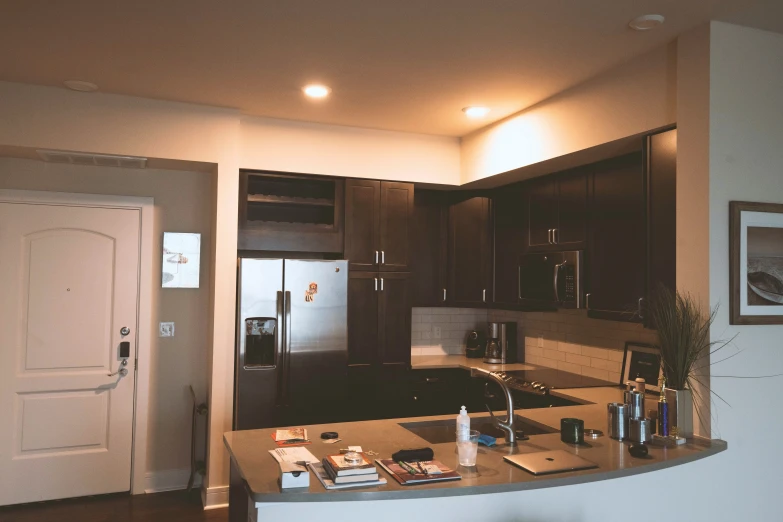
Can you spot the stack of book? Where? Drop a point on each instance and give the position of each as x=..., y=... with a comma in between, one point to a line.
x=335, y=473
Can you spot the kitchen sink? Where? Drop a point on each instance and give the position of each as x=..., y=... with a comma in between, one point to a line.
x=442, y=431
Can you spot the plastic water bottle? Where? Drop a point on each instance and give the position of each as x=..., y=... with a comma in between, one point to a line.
x=463, y=426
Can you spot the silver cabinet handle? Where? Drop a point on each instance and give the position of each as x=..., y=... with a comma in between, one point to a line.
x=639, y=308
x=554, y=236
x=376, y=257
x=376, y=284
x=587, y=301
x=549, y=236
x=383, y=257
x=444, y=295
x=484, y=295
x=381, y=284
x=122, y=372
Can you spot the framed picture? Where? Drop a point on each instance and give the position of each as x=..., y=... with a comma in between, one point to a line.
x=181, y=260
x=642, y=360
x=756, y=262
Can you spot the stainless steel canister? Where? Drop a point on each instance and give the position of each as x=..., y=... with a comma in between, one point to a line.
x=636, y=405
x=641, y=430
x=618, y=420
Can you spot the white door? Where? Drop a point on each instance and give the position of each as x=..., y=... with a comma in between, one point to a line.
x=68, y=285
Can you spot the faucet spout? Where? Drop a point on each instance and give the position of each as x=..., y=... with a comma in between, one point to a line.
x=508, y=424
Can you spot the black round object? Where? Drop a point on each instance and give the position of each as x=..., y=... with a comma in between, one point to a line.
x=638, y=450
x=329, y=435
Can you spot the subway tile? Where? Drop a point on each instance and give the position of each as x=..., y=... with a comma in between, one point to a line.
x=600, y=364
x=569, y=367
x=616, y=355
x=532, y=359
x=595, y=352
x=420, y=327
x=535, y=351
x=569, y=348
x=555, y=354
x=550, y=344
x=595, y=372
x=425, y=335
x=549, y=363
x=577, y=359
x=415, y=335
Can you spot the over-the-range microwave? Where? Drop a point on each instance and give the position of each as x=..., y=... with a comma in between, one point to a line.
x=551, y=279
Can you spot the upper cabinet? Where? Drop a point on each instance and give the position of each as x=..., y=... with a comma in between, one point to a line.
x=661, y=218
x=557, y=211
x=617, y=248
x=429, y=267
x=470, y=252
x=378, y=225
x=279, y=212
x=509, y=243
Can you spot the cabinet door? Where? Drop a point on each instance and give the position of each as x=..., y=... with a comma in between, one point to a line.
x=509, y=242
x=362, y=218
x=395, y=226
x=394, y=319
x=469, y=252
x=661, y=221
x=617, y=250
x=542, y=212
x=571, y=230
x=363, y=314
x=428, y=247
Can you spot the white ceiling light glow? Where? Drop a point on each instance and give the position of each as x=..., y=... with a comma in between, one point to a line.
x=316, y=91
x=646, y=22
x=475, y=111
x=80, y=85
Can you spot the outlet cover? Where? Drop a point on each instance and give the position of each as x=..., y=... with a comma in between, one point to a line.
x=540, y=341
x=436, y=332
x=166, y=330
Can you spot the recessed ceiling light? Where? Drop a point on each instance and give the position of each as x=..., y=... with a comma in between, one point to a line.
x=646, y=22
x=317, y=91
x=475, y=112
x=81, y=86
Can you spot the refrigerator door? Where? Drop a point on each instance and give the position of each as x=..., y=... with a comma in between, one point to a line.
x=316, y=310
x=259, y=359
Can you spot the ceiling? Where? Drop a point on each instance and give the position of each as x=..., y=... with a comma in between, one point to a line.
x=407, y=65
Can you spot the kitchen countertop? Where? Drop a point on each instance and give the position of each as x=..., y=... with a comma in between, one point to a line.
x=431, y=362
x=249, y=451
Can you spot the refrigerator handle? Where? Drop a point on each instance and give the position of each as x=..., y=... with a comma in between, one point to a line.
x=287, y=348
x=279, y=348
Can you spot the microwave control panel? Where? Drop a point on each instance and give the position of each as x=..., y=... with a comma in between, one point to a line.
x=570, y=286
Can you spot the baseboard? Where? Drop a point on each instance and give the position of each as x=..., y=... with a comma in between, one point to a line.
x=214, y=497
x=168, y=480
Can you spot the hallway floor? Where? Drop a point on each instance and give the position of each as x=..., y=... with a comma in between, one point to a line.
x=173, y=506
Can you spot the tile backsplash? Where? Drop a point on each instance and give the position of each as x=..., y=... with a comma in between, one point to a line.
x=567, y=339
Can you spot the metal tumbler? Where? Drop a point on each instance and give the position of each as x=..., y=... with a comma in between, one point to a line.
x=618, y=420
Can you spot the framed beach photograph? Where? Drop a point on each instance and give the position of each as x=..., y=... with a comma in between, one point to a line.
x=756, y=262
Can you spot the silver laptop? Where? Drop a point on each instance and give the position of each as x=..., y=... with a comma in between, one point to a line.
x=543, y=462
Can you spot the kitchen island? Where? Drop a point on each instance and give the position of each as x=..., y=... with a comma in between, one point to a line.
x=255, y=493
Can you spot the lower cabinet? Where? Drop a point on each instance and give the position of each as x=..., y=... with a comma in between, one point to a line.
x=379, y=344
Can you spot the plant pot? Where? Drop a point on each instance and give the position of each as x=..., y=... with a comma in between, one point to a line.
x=681, y=411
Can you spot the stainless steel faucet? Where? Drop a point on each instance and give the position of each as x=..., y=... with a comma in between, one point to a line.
x=508, y=424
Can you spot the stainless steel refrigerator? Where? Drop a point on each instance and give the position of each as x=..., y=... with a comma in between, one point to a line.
x=292, y=341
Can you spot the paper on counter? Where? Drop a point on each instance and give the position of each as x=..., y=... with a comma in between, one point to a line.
x=295, y=454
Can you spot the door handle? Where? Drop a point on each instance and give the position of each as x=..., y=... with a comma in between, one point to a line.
x=376, y=257
x=587, y=301
x=383, y=257
x=122, y=372
x=280, y=347
x=381, y=284
x=376, y=284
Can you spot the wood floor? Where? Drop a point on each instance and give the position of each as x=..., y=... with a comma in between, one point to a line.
x=174, y=506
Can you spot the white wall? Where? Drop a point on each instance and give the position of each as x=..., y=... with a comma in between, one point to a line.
x=630, y=99
x=182, y=200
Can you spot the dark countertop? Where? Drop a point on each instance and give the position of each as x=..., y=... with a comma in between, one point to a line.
x=249, y=451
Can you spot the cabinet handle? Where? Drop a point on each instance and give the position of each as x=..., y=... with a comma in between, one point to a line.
x=383, y=257
x=639, y=308
x=376, y=257
x=587, y=301
x=554, y=236
x=431, y=380
x=376, y=284
x=444, y=295
x=381, y=284
x=484, y=295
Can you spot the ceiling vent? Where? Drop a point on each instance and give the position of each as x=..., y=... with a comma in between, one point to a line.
x=96, y=160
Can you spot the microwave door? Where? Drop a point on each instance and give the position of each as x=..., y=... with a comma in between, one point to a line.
x=536, y=279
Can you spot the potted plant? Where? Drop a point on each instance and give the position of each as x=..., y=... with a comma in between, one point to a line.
x=683, y=338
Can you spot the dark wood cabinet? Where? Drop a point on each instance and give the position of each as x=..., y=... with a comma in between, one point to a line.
x=617, y=250
x=557, y=211
x=378, y=225
x=470, y=252
x=284, y=213
x=429, y=266
x=508, y=244
x=363, y=317
x=394, y=319
x=661, y=154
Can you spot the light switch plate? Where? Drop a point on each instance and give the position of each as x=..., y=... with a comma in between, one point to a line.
x=540, y=341
x=166, y=330
x=436, y=332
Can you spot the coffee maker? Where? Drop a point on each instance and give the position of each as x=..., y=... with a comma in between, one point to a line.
x=501, y=343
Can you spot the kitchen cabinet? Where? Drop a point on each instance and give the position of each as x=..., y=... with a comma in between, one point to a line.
x=285, y=213
x=429, y=248
x=661, y=155
x=379, y=341
x=617, y=245
x=470, y=251
x=378, y=225
x=508, y=244
x=557, y=211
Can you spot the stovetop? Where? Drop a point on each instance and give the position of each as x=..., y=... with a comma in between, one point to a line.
x=542, y=380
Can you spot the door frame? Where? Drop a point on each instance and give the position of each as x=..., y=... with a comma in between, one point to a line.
x=145, y=205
